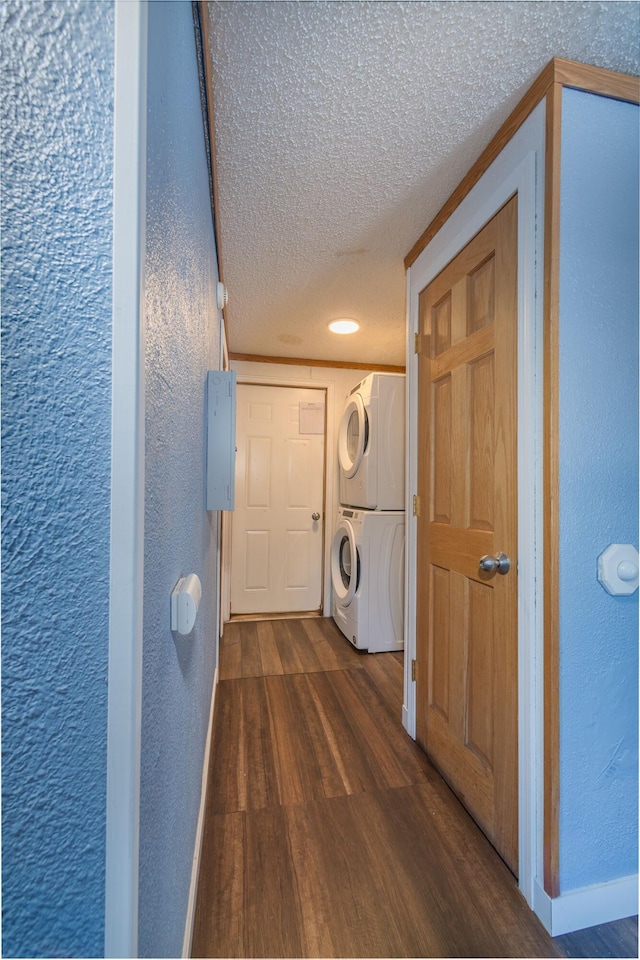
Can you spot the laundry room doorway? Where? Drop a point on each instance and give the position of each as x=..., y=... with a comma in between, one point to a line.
x=277, y=529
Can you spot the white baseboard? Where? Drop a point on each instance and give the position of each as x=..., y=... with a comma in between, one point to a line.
x=586, y=907
x=405, y=718
x=195, y=868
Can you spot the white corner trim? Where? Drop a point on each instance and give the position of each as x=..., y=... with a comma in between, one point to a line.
x=405, y=720
x=330, y=462
x=586, y=907
x=197, y=851
x=410, y=522
x=127, y=482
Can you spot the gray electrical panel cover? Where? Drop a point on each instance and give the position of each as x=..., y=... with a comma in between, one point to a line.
x=221, y=439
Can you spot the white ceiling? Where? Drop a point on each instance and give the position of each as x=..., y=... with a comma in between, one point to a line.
x=341, y=129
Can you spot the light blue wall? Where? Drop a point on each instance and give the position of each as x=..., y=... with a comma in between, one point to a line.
x=180, y=536
x=598, y=488
x=57, y=132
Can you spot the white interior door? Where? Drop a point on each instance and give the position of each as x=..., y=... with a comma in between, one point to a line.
x=277, y=527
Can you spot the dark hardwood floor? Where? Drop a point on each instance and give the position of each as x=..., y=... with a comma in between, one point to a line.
x=328, y=833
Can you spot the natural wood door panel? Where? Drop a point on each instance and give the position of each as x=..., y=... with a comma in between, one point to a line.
x=481, y=444
x=481, y=296
x=441, y=466
x=466, y=617
x=459, y=550
x=479, y=672
x=441, y=340
x=439, y=655
x=475, y=345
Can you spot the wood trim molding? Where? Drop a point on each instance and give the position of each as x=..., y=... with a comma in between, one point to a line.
x=605, y=83
x=514, y=121
x=569, y=73
x=302, y=362
x=551, y=479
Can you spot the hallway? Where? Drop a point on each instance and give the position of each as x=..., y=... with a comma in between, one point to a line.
x=328, y=833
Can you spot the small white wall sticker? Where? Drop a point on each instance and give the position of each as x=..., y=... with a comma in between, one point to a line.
x=312, y=418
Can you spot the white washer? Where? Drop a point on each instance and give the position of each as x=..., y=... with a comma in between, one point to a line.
x=367, y=573
x=371, y=444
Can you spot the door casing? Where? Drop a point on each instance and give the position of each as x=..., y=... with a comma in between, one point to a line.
x=320, y=394
x=329, y=488
x=519, y=168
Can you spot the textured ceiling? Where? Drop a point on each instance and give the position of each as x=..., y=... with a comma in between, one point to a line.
x=342, y=127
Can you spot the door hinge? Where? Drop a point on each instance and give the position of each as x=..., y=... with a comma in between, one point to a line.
x=414, y=669
x=417, y=343
x=416, y=505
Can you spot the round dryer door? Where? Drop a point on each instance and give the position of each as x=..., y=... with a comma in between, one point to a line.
x=345, y=563
x=352, y=435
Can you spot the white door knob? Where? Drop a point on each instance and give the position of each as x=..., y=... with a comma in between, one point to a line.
x=618, y=569
x=628, y=570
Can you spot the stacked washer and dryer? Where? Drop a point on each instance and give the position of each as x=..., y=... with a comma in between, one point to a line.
x=367, y=551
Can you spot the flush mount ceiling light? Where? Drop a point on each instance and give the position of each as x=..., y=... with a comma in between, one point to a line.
x=344, y=326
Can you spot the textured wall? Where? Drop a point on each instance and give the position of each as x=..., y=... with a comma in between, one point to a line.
x=57, y=81
x=341, y=130
x=180, y=536
x=598, y=488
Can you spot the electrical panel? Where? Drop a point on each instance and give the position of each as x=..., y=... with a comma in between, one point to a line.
x=221, y=439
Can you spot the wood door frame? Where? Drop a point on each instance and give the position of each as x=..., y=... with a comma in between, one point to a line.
x=328, y=492
x=519, y=168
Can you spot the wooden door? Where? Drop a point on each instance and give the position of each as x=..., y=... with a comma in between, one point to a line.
x=467, y=617
x=276, y=544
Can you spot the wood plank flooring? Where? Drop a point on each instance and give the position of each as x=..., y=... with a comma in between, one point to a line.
x=328, y=833
x=619, y=939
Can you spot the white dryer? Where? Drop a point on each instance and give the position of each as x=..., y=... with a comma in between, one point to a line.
x=367, y=573
x=371, y=444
